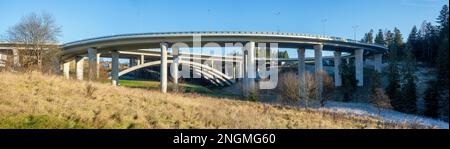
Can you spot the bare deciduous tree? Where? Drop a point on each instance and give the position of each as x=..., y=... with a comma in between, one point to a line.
x=328, y=87
x=289, y=88
x=380, y=100
x=36, y=34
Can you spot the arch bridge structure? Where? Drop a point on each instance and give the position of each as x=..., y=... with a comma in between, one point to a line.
x=131, y=45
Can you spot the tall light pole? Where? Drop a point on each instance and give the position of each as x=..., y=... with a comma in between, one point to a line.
x=354, y=32
x=323, y=26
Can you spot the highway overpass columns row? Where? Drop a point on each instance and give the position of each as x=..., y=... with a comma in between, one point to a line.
x=359, y=74
x=248, y=64
x=94, y=65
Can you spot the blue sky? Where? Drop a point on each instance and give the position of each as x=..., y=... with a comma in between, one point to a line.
x=92, y=18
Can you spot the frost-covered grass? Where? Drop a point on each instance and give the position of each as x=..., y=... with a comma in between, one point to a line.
x=365, y=109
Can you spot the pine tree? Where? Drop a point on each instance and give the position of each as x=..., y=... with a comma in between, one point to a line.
x=398, y=43
x=431, y=100
x=395, y=44
x=348, y=80
x=443, y=21
x=379, y=38
x=413, y=37
x=368, y=37
x=442, y=60
x=389, y=39
x=413, y=40
x=442, y=63
x=434, y=40
x=409, y=95
x=393, y=88
x=430, y=42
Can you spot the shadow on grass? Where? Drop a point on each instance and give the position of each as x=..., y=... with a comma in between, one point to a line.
x=184, y=87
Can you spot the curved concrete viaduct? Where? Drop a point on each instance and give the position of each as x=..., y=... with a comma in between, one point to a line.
x=111, y=46
x=208, y=71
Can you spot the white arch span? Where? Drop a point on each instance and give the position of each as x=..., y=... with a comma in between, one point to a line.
x=208, y=71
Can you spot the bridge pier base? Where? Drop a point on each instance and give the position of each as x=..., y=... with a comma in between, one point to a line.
x=337, y=71
x=92, y=57
x=359, y=66
x=163, y=69
x=79, y=66
x=318, y=69
x=301, y=72
x=378, y=58
x=115, y=68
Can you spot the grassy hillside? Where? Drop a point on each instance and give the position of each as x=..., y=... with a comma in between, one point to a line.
x=34, y=100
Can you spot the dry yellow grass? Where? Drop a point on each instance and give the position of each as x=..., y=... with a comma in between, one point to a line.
x=34, y=100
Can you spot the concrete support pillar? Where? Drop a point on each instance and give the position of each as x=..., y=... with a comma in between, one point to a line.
x=135, y=61
x=251, y=66
x=301, y=72
x=163, y=69
x=142, y=59
x=138, y=61
x=245, y=75
x=66, y=69
x=212, y=66
x=16, y=60
x=3, y=59
x=318, y=69
x=248, y=83
x=175, y=64
x=337, y=71
x=92, y=57
x=378, y=59
x=131, y=62
x=359, y=66
x=98, y=66
x=244, y=69
x=115, y=68
x=240, y=69
x=234, y=71
x=79, y=66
